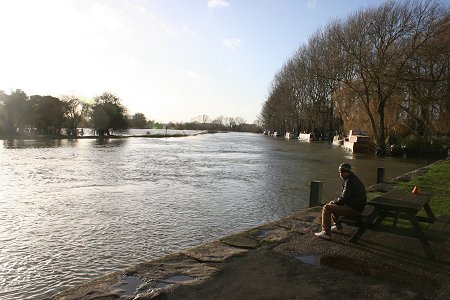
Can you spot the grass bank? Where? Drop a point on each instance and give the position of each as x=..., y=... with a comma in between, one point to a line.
x=436, y=181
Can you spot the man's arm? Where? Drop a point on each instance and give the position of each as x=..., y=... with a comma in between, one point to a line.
x=345, y=195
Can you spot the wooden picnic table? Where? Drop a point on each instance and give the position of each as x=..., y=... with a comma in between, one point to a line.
x=404, y=205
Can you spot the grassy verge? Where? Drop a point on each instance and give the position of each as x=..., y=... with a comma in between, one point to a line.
x=436, y=181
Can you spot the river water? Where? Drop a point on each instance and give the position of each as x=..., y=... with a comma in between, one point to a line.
x=71, y=210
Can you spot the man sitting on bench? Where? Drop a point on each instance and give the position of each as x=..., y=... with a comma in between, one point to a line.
x=351, y=203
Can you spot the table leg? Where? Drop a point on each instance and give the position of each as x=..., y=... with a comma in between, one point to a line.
x=395, y=218
x=381, y=216
x=429, y=212
x=421, y=236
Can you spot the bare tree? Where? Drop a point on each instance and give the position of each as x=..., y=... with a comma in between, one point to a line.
x=218, y=122
x=426, y=84
x=276, y=108
x=202, y=119
x=75, y=111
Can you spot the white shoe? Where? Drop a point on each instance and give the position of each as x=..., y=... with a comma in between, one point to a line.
x=336, y=230
x=323, y=235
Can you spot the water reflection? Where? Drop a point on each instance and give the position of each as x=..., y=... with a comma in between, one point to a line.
x=110, y=142
x=31, y=144
x=75, y=209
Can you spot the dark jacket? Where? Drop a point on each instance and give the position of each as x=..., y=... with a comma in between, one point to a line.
x=353, y=193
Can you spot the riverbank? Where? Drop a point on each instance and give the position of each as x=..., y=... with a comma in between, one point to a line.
x=283, y=260
x=111, y=136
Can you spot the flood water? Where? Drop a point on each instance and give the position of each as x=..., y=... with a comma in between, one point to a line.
x=71, y=210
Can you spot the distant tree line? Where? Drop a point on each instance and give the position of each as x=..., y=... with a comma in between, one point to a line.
x=48, y=115
x=384, y=69
x=221, y=123
x=105, y=114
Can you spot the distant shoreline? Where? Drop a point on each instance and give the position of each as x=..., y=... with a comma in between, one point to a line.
x=77, y=137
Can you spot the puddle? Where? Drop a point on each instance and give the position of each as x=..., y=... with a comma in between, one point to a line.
x=172, y=280
x=310, y=259
x=262, y=234
x=128, y=285
x=161, y=285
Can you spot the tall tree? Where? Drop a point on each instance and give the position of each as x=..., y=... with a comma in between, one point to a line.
x=218, y=123
x=426, y=85
x=138, y=120
x=108, y=114
x=3, y=99
x=16, y=112
x=75, y=111
x=47, y=114
x=323, y=70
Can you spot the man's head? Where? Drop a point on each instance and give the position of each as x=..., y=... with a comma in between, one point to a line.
x=345, y=170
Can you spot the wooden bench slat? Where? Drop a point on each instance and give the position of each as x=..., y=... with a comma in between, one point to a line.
x=438, y=226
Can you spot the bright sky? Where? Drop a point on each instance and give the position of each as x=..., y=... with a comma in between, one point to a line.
x=172, y=60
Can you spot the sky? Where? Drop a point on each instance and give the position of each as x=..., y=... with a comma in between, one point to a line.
x=172, y=60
